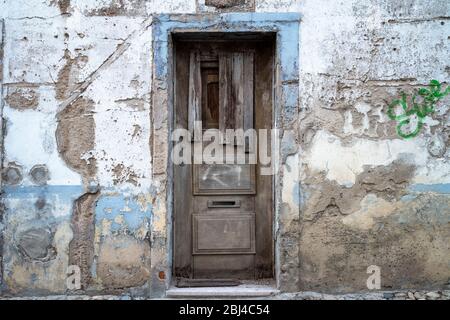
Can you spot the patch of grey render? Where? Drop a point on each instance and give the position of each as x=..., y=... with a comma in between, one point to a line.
x=36, y=244
x=12, y=174
x=39, y=174
x=436, y=145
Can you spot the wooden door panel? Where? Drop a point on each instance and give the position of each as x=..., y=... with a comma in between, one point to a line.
x=224, y=179
x=228, y=233
x=195, y=93
x=224, y=266
x=264, y=66
x=236, y=81
x=183, y=262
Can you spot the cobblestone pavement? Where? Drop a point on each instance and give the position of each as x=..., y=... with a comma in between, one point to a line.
x=381, y=295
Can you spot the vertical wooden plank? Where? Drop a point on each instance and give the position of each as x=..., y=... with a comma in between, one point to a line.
x=237, y=89
x=264, y=70
x=182, y=186
x=226, y=107
x=248, y=84
x=204, y=100
x=195, y=93
x=236, y=71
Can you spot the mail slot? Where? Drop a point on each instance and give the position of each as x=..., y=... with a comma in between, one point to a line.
x=224, y=203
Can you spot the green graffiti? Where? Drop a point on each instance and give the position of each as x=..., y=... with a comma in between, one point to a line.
x=428, y=98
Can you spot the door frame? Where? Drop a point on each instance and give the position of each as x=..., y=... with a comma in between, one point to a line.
x=286, y=198
x=186, y=261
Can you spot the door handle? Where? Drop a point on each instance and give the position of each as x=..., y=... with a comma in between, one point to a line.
x=224, y=203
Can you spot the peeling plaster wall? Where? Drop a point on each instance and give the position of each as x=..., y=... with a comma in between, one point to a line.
x=369, y=197
x=85, y=144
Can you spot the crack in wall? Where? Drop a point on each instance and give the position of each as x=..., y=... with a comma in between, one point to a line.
x=399, y=21
x=120, y=50
x=39, y=17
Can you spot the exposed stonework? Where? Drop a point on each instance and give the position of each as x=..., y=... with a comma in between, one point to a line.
x=67, y=76
x=122, y=174
x=22, y=98
x=329, y=198
x=224, y=3
x=63, y=5
x=75, y=137
x=81, y=248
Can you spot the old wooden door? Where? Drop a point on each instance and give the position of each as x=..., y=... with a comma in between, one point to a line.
x=223, y=212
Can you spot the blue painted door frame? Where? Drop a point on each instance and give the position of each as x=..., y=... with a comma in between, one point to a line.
x=286, y=96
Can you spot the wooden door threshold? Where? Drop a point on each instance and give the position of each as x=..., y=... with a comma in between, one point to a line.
x=193, y=283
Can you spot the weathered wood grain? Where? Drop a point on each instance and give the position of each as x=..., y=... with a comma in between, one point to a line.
x=195, y=94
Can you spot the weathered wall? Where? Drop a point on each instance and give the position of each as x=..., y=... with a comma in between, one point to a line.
x=369, y=197
x=80, y=180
